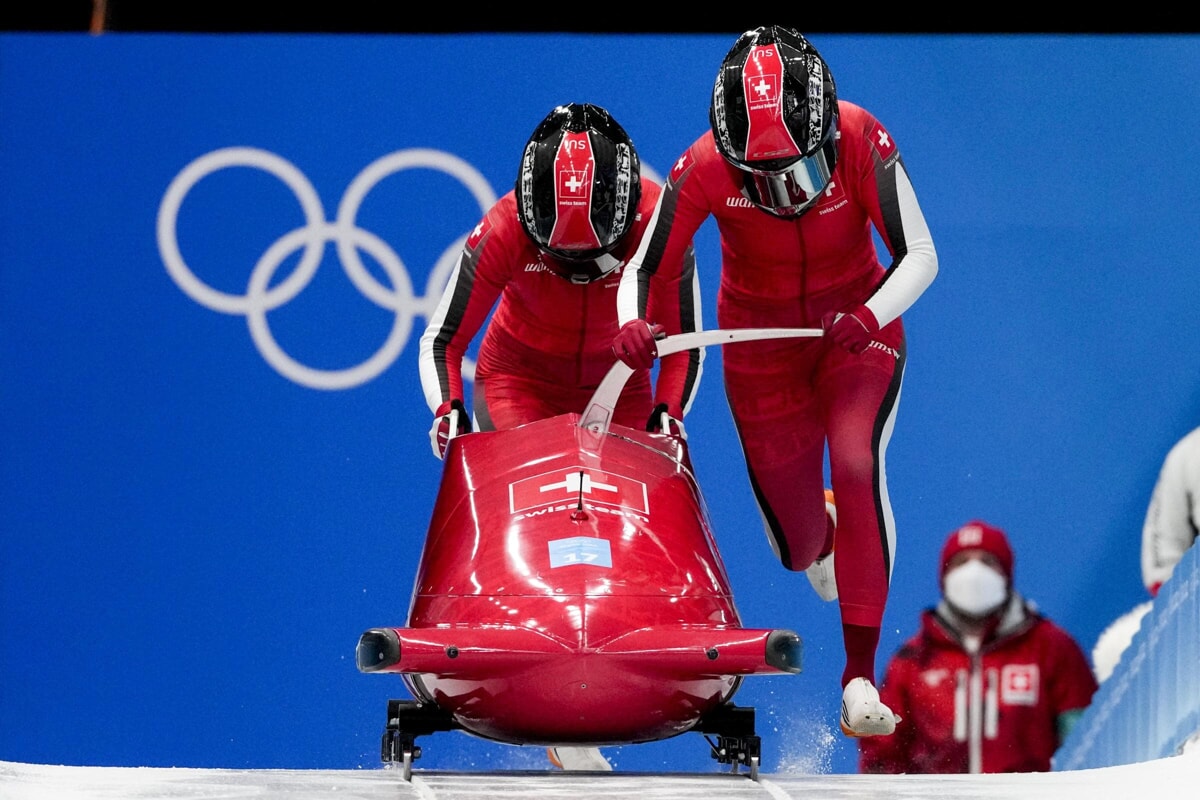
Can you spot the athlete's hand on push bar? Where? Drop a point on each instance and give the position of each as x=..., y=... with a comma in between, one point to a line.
x=852, y=330
x=451, y=420
x=635, y=344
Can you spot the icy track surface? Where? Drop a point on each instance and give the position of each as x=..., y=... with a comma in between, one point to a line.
x=1174, y=778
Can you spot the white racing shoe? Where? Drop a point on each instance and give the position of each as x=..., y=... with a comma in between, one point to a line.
x=820, y=572
x=578, y=759
x=863, y=713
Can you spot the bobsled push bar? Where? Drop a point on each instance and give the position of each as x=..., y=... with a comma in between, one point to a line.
x=599, y=412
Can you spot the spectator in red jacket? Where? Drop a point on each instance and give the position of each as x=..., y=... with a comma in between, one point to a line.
x=988, y=684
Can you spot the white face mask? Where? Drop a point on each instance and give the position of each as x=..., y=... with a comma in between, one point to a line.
x=975, y=589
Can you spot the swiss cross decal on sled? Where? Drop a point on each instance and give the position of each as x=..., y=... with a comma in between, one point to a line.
x=580, y=484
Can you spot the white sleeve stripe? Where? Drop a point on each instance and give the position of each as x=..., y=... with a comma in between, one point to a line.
x=910, y=276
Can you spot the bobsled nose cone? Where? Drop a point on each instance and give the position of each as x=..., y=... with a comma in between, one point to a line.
x=378, y=648
x=785, y=651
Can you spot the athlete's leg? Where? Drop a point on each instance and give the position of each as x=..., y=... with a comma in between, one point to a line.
x=503, y=401
x=482, y=415
x=861, y=395
x=779, y=424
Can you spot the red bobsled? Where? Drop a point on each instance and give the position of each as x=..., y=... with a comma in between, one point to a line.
x=570, y=592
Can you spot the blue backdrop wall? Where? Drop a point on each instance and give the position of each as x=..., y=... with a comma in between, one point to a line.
x=215, y=471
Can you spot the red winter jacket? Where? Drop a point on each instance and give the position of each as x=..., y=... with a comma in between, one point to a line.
x=997, y=710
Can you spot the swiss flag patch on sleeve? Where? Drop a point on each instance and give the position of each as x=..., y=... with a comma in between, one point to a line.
x=882, y=141
x=481, y=230
x=681, y=166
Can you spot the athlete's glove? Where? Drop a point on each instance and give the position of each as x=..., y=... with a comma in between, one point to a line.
x=451, y=420
x=853, y=329
x=663, y=421
x=635, y=344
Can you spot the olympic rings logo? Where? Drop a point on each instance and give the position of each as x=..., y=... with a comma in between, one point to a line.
x=261, y=297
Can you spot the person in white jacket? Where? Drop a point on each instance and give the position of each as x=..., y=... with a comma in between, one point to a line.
x=1173, y=517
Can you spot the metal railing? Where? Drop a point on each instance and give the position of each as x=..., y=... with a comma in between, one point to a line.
x=1150, y=706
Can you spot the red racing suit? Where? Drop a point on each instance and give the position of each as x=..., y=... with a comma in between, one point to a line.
x=548, y=344
x=998, y=709
x=789, y=397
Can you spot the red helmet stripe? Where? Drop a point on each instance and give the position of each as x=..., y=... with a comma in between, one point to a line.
x=574, y=169
x=767, y=137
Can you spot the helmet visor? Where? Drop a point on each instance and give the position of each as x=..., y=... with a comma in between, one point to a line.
x=582, y=270
x=791, y=190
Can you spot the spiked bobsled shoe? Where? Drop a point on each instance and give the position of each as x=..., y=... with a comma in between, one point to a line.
x=863, y=713
x=578, y=759
x=820, y=572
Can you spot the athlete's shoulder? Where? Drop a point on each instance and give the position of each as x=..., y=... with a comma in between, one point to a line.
x=859, y=130
x=504, y=211
x=651, y=189
x=702, y=155
x=850, y=112
x=499, y=223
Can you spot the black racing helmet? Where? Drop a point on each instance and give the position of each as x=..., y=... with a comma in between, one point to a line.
x=774, y=116
x=578, y=189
